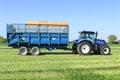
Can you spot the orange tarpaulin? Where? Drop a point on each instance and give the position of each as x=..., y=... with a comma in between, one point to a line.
x=40, y=23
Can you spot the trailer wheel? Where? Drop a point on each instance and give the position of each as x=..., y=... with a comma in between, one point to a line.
x=23, y=51
x=35, y=51
x=105, y=50
x=84, y=48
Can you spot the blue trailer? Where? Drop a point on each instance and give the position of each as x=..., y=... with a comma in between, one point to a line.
x=33, y=35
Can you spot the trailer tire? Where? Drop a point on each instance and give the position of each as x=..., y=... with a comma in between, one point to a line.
x=23, y=50
x=35, y=51
x=105, y=50
x=84, y=48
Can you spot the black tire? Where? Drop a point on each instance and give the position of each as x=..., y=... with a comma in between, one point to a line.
x=84, y=48
x=74, y=49
x=105, y=50
x=74, y=46
x=35, y=51
x=23, y=51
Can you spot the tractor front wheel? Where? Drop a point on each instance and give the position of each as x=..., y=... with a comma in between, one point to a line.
x=84, y=48
x=105, y=50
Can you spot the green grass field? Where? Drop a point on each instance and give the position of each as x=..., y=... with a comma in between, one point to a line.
x=59, y=65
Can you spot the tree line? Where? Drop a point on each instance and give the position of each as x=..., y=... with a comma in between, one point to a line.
x=112, y=39
x=2, y=39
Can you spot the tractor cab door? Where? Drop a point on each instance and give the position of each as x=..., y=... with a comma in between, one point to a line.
x=88, y=36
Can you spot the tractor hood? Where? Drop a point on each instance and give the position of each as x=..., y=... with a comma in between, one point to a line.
x=100, y=41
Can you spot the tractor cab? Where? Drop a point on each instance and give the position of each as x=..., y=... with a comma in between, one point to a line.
x=88, y=35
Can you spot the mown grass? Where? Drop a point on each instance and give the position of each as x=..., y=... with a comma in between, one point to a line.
x=59, y=65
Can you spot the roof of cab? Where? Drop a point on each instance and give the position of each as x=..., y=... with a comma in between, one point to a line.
x=87, y=32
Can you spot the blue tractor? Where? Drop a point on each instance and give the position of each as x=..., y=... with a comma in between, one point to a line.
x=88, y=43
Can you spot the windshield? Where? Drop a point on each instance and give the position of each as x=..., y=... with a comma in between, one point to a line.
x=87, y=36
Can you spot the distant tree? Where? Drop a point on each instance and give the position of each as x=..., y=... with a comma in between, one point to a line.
x=112, y=38
x=2, y=39
x=119, y=41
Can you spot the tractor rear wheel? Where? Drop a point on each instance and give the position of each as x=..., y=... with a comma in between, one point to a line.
x=105, y=50
x=84, y=48
x=23, y=51
x=35, y=51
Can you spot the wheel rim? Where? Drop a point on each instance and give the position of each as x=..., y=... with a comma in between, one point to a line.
x=85, y=48
x=35, y=51
x=106, y=50
x=23, y=51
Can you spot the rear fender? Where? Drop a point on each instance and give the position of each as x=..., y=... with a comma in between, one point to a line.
x=82, y=40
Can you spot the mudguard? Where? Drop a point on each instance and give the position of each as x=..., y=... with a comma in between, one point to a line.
x=82, y=40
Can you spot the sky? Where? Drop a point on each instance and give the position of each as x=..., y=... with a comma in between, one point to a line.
x=102, y=16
